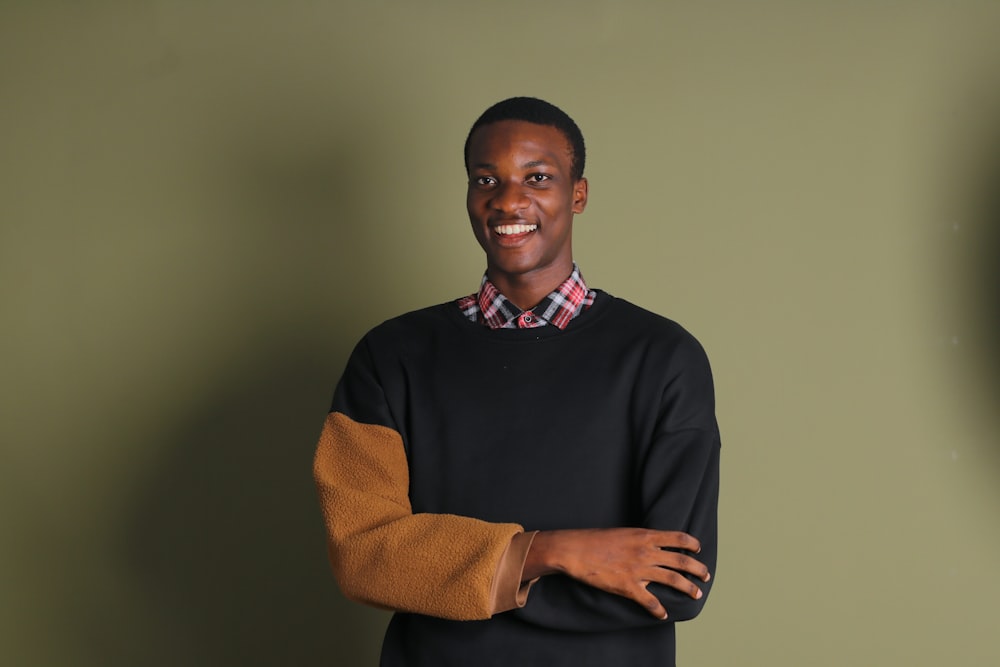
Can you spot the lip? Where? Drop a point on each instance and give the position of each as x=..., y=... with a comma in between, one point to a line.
x=510, y=240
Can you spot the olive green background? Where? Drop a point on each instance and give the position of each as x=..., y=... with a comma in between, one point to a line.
x=205, y=204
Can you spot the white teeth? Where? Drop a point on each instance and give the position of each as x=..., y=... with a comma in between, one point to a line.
x=514, y=229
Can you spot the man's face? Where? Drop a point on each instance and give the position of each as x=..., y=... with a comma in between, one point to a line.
x=522, y=198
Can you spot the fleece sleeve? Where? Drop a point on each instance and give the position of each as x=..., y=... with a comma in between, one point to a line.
x=678, y=490
x=381, y=552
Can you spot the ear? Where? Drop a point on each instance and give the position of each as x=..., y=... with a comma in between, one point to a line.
x=580, y=190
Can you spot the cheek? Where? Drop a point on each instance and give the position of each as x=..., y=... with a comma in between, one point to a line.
x=474, y=205
x=552, y=208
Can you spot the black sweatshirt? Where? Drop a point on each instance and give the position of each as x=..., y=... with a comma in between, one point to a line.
x=608, y=423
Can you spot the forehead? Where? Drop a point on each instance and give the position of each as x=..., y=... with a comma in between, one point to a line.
x=520, y=141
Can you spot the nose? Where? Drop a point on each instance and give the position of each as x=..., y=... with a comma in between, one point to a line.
x=509, y=198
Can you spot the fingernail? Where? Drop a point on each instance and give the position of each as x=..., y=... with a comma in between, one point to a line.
x=698, y=596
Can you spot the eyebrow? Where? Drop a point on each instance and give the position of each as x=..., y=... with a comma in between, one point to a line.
x=527, y=165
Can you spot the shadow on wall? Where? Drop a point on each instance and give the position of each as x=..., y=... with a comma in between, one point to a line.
x=990, y=261
x=228, y=539
x=986, y=274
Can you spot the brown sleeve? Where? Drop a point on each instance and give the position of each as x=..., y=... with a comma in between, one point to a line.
x=509, y=590
x=381, y=552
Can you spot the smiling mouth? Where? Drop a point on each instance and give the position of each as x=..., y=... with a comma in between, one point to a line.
x=513, y=230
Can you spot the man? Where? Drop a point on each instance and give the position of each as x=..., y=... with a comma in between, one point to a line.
x=529, y=475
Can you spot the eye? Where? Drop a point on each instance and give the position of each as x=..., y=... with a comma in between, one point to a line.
x=484, y=181
x=539, y=178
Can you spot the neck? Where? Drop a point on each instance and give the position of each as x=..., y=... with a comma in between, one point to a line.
x=525, y=290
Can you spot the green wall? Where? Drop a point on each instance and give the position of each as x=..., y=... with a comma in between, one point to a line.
x=204, y=204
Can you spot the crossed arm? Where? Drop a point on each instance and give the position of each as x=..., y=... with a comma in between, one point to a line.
x=622, y=561
x=446, y=565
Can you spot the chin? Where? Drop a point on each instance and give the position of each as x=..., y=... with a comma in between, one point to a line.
x=514, y=267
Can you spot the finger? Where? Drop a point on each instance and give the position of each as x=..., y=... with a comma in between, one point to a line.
x=674, y=580
x=651, y=604
x=675, y=539
x=683, y=563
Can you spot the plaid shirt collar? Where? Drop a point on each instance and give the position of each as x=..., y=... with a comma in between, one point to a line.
x=493, y=309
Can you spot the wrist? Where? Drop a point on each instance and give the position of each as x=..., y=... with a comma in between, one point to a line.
x=546, y=554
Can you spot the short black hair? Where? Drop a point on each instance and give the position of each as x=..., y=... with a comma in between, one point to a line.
x=540, y=112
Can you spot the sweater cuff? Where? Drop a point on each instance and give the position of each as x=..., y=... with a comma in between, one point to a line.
x=508, y=591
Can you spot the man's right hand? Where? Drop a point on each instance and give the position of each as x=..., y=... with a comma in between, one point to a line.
x=622, y=561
